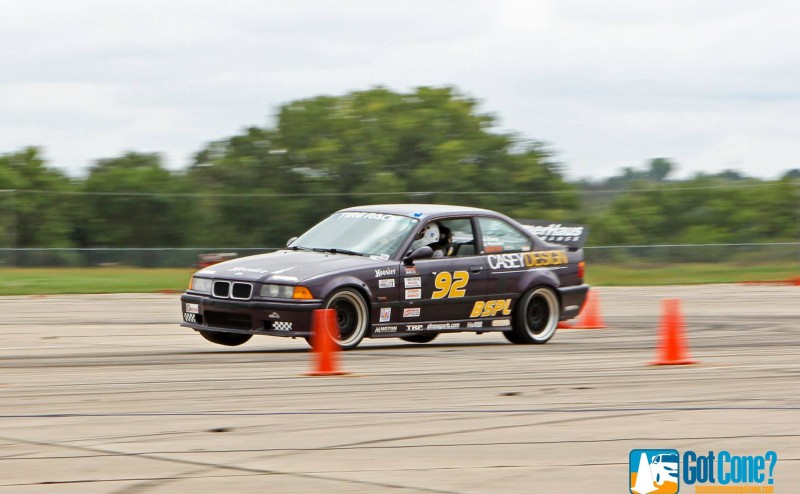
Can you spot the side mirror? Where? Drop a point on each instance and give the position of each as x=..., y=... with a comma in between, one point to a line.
x=290, y=241
x=423, y=252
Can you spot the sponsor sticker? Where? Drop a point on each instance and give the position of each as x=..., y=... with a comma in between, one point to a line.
x=370, y=216
x=414, y=327
x=279, y=277
x=491, y=308
x=379, y=273
x=274, y=315
x=555, y=231
x=475, y=324
x=411, y=270
x=386, y=314
x=415, y=282
x=242, y=270
x=443, y=325
x=411, y=312
x=539, y=259
x=192, y=308
x=387, y=283
x=386, y=329
x=501, y=322
x=414, y=294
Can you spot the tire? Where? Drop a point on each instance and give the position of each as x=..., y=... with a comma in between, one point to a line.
x=536, y=317
x=352, y=317
x=227, y=339
x=420, y=338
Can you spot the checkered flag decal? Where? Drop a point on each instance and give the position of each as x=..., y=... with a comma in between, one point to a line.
x=189, y=317
x=282, y=326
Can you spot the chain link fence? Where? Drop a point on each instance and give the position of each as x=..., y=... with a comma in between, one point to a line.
x=626, y=255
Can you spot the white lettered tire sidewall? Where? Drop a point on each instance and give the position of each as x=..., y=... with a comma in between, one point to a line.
x=352, y=316
x=537, y=315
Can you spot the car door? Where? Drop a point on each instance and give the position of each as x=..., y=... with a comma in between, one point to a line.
x=506, y=252
x=442, y=291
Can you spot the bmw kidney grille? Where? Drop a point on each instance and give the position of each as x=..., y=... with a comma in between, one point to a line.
x=235, y=290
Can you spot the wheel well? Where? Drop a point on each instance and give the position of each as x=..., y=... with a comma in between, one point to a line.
x=360, y=291
x=365, y=295
x=553, y=289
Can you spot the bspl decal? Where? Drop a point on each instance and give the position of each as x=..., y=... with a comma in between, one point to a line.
x=491, y=308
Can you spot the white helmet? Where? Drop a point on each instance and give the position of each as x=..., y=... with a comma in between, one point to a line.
x=428, y=235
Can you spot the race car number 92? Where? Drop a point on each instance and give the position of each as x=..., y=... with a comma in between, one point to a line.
x=451, y=285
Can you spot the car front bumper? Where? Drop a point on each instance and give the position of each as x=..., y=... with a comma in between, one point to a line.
x=291, y=318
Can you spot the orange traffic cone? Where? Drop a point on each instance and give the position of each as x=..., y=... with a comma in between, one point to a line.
x=589, y=316
x=672, y=348
x=324, y=332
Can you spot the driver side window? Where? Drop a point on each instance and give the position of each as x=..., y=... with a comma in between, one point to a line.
x=461, y=241
x=453, y=238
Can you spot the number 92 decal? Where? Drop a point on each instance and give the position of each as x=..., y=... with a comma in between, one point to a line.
x=451, y=285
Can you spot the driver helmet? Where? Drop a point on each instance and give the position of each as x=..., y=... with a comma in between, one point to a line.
x=428, y=235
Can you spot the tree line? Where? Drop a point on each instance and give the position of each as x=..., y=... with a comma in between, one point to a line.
x=266, y=184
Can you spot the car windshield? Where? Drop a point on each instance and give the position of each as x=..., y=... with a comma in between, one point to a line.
x=372, y=234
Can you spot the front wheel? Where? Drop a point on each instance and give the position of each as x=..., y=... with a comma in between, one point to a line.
x=352, y=317
x=420, y=338
x=227, y=339
x=536, y=317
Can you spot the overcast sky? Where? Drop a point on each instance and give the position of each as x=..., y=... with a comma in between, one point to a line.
x=711, y=84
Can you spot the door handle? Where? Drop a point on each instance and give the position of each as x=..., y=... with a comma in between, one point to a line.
x=475, y=269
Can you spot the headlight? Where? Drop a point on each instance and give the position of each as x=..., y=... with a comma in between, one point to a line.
x=285, y=291
x=277, y=291
x=202, y=284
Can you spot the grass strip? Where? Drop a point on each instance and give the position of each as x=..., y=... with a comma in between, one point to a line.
x=50, y=281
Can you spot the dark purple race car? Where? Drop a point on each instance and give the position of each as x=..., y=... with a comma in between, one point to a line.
x=404, y=270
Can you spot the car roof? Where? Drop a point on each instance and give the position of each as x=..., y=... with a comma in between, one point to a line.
x=418, y=210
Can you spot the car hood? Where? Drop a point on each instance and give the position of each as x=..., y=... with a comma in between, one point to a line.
x=288, y=266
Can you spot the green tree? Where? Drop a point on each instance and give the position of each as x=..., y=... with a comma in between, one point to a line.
x=131, y=201
x=34, y=201
x=660, y=168
x=374, y=146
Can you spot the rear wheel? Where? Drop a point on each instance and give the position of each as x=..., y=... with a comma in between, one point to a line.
x=420, y=338
x=536, y=317
x=227, y=339
x=352, y=317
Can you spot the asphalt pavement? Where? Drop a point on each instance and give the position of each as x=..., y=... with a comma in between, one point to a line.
x=107, y=394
